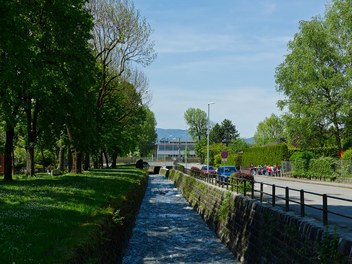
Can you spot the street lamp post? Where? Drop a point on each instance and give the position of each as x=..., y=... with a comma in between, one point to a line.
x=208, y=132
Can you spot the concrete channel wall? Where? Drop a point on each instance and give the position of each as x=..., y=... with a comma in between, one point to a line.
x=257, y=233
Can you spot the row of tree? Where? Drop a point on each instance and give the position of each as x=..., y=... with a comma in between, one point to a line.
x=315, y=79
x=68, y=80
x=222, y=137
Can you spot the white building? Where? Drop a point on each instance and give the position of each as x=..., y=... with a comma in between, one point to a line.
x=174, y=148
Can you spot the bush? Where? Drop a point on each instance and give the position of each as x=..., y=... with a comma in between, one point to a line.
x=323, y=167
x=274, y=154
x=347, y=155
x=299, y=155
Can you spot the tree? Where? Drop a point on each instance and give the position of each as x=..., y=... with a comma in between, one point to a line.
x=148, y=136
x=197, y=121
x=120, y=37
x=224, y=133
x=269, y=131
x=121, y=40
x=316, y=75
x=230, y=132
x=216, y=134
x=238, y=145
x=16, y=70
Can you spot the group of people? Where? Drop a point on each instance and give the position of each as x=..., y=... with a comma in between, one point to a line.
x=269, y=170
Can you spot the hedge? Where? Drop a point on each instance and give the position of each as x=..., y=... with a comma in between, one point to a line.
x=273, y=154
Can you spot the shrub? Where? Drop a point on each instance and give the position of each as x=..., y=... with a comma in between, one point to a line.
x=299, y=155
x=323, y=167
x=347, y=155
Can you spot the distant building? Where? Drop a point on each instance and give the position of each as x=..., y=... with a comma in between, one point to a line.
x=174, y=148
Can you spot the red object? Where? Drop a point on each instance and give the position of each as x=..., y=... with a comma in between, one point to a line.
x=224, y=154
x=340, y=153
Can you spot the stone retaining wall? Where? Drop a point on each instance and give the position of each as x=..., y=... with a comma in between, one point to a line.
x=257, y=233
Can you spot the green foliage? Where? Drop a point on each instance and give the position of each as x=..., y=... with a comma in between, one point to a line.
x=301, y=155
x=224, y=133
x=269, y=131
x=322, y=168
x=328, y=247
x=265, y=155
x=197, y=121
x=347, y=155
x=238, y=145
x=223, y=211
x=44, y=219
x=300, y=168
x=315, y=80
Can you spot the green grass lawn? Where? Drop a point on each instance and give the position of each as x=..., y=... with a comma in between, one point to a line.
x=44, y=217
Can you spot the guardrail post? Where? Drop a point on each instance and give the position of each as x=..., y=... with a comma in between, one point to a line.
x=273, y=195
x=287, y=199
x=237, y=185
x=325, y=209
x=302, y=202
x=252, y=187
x=261, y=192
x=244, y=188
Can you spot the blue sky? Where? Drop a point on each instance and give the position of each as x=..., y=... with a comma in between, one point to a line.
x=223, y=51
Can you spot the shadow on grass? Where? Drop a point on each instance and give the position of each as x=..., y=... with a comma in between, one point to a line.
x=45, y=216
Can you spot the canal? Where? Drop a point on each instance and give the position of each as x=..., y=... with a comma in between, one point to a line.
x=168, y=230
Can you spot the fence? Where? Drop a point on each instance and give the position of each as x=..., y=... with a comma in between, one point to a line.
x=287, y=199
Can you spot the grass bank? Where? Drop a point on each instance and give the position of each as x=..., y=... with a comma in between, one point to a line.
x=69, y=218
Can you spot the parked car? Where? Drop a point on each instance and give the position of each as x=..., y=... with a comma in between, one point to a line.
x=204, y=171
x=224, y=172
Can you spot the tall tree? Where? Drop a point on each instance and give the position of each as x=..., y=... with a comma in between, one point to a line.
x=148, y=136
x=59, y=28
x=216, y=134
x=197, y=120
x=15, y=71
x=230, y=132
x=120, y=37
x=271, y=130
x=314, y=76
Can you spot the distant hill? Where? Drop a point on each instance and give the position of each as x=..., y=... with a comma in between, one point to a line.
x=182, y=134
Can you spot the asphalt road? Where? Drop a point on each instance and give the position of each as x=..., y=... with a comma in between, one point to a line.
x=334, y=191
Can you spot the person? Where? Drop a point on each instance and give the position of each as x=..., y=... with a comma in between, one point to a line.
x=268, y=169
x=139, y=164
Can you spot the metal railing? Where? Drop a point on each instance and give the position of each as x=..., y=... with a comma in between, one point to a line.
x=255, y=190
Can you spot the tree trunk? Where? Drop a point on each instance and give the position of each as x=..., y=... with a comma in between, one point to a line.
x=77, y=161
x=101, y=160
x=69, y=159
x=114, y=160
x=86, y=165
x=61, y=165
x=30, y=160
x=106, y=159
x=8, y=166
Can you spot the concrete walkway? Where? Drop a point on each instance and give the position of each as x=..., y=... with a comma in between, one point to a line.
x=168, y=230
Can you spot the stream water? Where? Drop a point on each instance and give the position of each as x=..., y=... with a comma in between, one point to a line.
x=168, y=230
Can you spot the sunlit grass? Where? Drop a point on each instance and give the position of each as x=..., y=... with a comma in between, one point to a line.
x=42, y=218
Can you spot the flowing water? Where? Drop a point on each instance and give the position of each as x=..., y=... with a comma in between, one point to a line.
x=168, y=230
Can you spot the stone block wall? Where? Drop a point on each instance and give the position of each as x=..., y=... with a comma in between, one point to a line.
x=256, y=233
